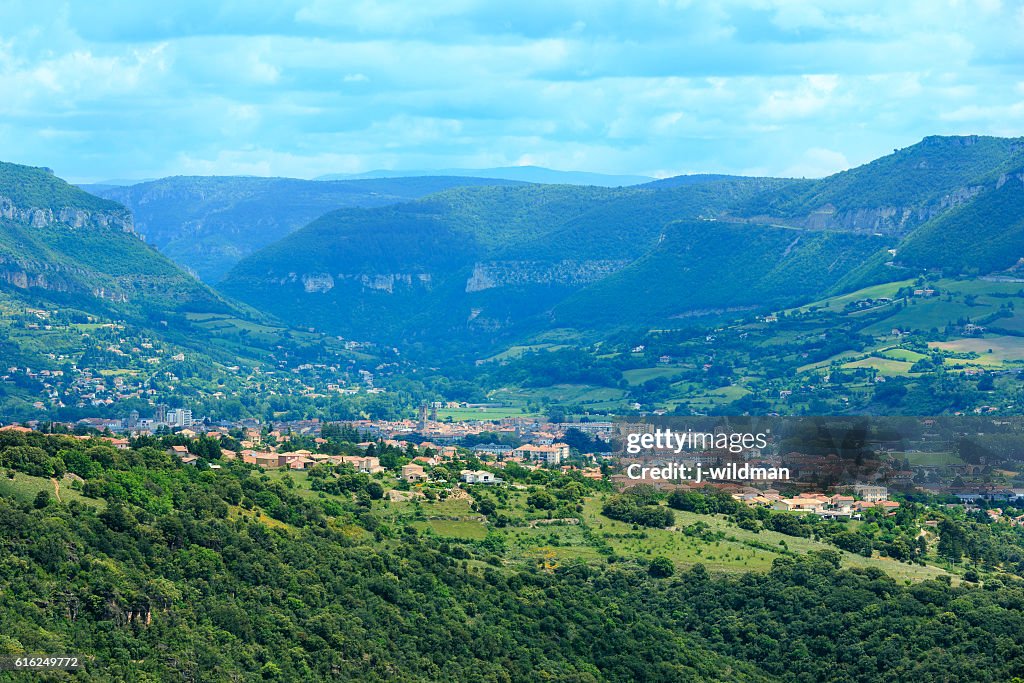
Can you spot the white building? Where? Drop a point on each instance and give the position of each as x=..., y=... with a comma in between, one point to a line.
x=478, y=477
x=870, y=493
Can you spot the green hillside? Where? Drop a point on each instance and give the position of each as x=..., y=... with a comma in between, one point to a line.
x=148, y=569
x=84, y=247
x=981, y=237
x=915, y=176
x=30, y=186
x=479, y=267
x=90, y=313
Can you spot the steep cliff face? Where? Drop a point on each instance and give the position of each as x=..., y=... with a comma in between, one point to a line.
x=567, y=272
x=57, y=239
x=22, y=279
x=41, y=216
x=887, y=220
x=318, y=283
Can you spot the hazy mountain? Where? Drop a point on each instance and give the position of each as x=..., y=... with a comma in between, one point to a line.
x=529, y=174
x=473, y=263
x=207, y=224
x=117, y=182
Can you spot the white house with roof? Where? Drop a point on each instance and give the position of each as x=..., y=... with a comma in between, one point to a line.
x=478, y=477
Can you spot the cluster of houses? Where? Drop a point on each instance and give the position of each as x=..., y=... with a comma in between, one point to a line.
x=67, y=384
x=550, y=454
x=414, y=472
x=294, y=460
x=258, y=451
x=837, y=505
x=997, y=515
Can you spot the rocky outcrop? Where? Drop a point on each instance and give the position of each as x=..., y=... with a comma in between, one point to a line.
x=889, y=220
x=886, y=220
x=70, y=216
x=108, y=294
x=30, y=274
x=24, y=280
x=318, y=283
x=567, y=272
x=1009, y=177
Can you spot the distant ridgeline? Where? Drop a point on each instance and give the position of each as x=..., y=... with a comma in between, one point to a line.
x=472, y=264
x=207, y=224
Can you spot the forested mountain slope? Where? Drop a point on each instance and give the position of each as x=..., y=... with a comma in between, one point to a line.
x=208, y=224
x=472, y=263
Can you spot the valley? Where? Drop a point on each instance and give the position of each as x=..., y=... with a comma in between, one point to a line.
x=691, y=295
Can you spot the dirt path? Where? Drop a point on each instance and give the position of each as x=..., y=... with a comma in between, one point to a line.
x=56, y=489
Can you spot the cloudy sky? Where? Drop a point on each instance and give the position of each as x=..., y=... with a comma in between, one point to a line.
x=137, y=89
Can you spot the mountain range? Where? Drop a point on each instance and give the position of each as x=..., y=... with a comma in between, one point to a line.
x=475, y=263
x=471, y=268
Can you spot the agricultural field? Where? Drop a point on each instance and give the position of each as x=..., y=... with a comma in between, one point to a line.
x=928, y=459
x=641, y=375
x=461, y=414
x=885, y=366
x=997, y=349
x=25, y=488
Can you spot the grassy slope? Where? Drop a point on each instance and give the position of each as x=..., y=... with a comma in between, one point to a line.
x=739, y=551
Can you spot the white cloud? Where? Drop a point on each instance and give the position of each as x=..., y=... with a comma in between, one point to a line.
x=817, y=162
x=810, y=96
x=302, y=87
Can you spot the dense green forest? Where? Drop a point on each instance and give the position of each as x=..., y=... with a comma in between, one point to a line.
x=981, y=237
x=153, y=570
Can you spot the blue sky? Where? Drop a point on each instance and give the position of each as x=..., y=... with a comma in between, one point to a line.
x=305, y=87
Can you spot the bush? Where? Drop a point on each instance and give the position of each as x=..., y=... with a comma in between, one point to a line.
x=661, y=568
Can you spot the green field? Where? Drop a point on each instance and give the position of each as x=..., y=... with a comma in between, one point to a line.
x=937, y=459
x=890, y=368
x=454, y=528
x=585, y=394
x=25, y=488
x=641, y=375
x=740, y=550
x=998, y=349
x=900, y=354
x=517, y=351
x=460, y=414
x=837, y=303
